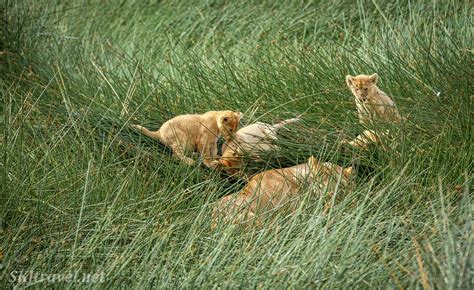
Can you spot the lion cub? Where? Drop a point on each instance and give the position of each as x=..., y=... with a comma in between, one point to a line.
x=278, y=190
x=188, y=133
x=251, y=140
x=371, y=102
x=362, y=141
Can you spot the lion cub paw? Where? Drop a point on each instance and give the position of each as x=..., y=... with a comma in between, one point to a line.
x=215, y=164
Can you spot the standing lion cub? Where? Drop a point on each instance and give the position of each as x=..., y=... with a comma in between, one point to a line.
x=189, y=133
x=372, y=102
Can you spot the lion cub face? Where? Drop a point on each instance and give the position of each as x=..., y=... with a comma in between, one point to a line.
x=228, y=122
x=362, y=86
x=232, y=158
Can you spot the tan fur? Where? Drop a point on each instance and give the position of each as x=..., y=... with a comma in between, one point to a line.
x=277, y=190
x=367, y=137
x=250, y=140
x=372, y=103
x=188, y=133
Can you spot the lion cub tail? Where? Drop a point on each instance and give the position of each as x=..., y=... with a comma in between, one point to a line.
x=285, y=122
x=152, y=134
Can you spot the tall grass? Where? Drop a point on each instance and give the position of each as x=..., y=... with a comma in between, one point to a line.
x=82, y=192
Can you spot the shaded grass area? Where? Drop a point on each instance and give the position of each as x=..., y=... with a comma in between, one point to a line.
x=83, y=192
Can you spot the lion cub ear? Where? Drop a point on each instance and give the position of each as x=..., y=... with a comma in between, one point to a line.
x=313, y=163
x=374, y=78
x=238, y=115
x=347, y=171
x=349, y=79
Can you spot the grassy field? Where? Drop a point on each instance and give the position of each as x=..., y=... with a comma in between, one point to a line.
x=83, y=193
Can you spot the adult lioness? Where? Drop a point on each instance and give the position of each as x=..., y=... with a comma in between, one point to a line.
x=278, y=190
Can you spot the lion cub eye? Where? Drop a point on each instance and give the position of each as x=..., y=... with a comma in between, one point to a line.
x=225, y=119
